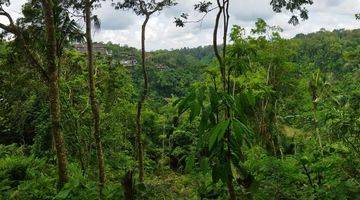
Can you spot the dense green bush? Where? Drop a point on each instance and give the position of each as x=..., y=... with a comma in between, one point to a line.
x=26, y=178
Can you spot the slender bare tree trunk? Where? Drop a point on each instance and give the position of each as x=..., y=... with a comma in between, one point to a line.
x=53, y=74
x=141, y=102
x=92, y=96
x=224, y=9
x=215, y=46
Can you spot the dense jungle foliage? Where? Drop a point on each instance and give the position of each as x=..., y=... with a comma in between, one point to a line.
x=292, y=105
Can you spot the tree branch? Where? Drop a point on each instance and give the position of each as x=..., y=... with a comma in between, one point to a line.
x=15, y=30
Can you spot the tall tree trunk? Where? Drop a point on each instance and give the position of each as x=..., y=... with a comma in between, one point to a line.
x=215, y=46
x=92, y=96
x=53, y=74
x=141, y=102
x=128, y=186
x=224, y=9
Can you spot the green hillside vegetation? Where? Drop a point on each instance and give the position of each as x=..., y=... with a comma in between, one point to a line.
x=286, y=126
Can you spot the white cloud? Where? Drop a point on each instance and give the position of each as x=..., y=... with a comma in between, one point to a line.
x=328, y=14
x=124, y=27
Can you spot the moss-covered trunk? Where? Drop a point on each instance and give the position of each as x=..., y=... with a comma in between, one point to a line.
x=141, y=102
x=92, y=96
x=54, y=93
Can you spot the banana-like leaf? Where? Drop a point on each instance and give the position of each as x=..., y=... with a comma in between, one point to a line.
x=217, y=133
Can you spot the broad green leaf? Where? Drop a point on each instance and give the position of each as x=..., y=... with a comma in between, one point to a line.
x=195, y=108
x=217, y=133
x=224, y=166
x=214, y=98
x=212, y=139
x=240, y=128
x=185, y=103
x=63, y=194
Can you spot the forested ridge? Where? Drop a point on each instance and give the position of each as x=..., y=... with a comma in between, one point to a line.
x=256, y=116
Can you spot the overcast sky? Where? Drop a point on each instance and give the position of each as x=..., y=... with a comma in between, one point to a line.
x=122, y=27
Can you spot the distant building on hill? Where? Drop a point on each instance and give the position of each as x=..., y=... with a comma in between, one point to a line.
x=128, y=63
x=128, y=59
x=97, y=48
x=162, y=67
